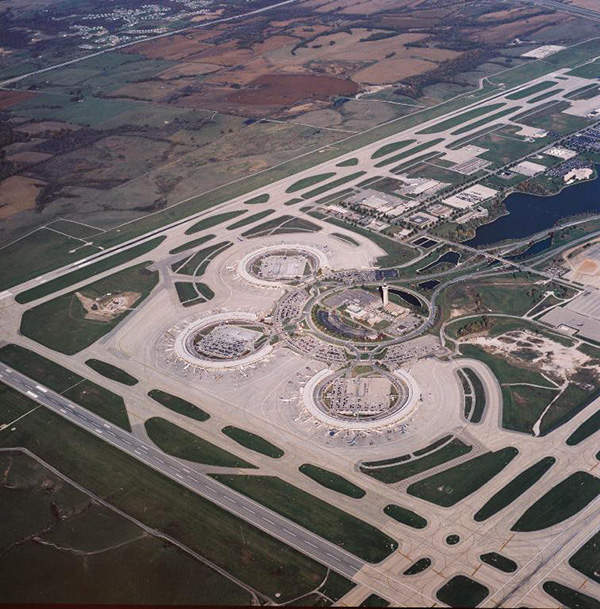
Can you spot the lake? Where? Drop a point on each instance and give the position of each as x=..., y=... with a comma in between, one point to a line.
x=530, y=214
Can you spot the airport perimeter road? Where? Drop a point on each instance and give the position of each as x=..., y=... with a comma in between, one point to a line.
x=272, y=523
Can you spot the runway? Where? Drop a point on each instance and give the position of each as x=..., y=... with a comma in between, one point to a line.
x=243, y=507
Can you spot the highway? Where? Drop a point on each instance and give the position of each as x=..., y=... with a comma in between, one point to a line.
x=243, y=507
x=577, y=11
x=118, y=47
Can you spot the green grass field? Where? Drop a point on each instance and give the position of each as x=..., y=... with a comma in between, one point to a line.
x=332, y=481
x=405, y=516
x=249, y=219
x=461, y=118
x=196, y=264
x=86, y=272
x=389, y=148
x=111, y=372
x=60, y=324
x=178, y=405
x=309, y=181
x=258, y=199
x=94, y=545
x=409, y=152
x=567, y=597
x=161, y=503
x=253, y=442
x=214, y=220
x=451, y=485
x=418, y=566
x=585, y=560
x=180, y=443
x=80, y=390
x=514, y=489
x=500, y=562
x=334, y=184
x=462, y=591
x=527, y=91
x=589, y=427
x=339, y=527
x=190, y=244
x=562, y=501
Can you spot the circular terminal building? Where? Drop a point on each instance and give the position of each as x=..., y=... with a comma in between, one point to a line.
x=356, y=399
x=276, y=265
x=223, y=340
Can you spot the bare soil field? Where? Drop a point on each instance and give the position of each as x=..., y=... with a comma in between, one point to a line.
x=28, y=157
x=42, y=127
x=17, y=194
x=11, y=98
x=286, y=89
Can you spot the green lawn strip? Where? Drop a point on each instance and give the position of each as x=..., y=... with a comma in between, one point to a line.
x=451, y=485
x=336, y=586
x=54, y=285
x=544, y=96
x=324, y=519
x=309, y=181
x=253, y=442
x=567, y=597
x=214, y=220
x=405, y=516
x=514, y=489
x=178, y=405
x=111, y=372
x=80, y=390
x=296, y=225
x=60, y=323
x=249, y=219
x=390, y=461
x=185, y=291
x=462, y=591
x=485, y=121
x=329, y=185
x=409, y=152
x=258, y=199
x=374, y=601
x=389, y=148
x=196, y=265
x=401, y=471
x=461, y=118
x=478, y=394
x=397, y=253
x=161, y=503
x=418, y=566
x=37, y=253
x=332, y=481
x=40, y=508
x=347, y=163
x=100, y=401
x=540, y=86
x=191, y=244
x=589, y=427
x=346, y=238
x=180, y=443
x=281, y=225
x=562, y=501
x=585, y=560
x=499, y=562
x=568, y=404
x=44, y=371
x=432, y=446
